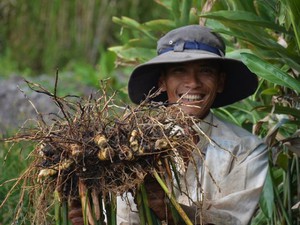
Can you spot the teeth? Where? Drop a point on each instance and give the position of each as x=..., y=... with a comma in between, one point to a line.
x=190, y=97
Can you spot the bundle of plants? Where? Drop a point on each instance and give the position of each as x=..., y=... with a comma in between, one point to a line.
x=94, y=150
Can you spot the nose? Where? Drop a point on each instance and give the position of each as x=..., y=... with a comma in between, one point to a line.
x=193, y=80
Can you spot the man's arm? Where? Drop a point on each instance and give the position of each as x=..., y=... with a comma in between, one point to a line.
x=240, y=192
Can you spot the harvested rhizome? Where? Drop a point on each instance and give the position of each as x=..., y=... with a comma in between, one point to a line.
x=93, y=149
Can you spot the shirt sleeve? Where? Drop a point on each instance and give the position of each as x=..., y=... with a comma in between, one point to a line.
x=240, y=192
x=239, y=206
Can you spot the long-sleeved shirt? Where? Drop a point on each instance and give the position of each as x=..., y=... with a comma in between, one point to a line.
x=228, y=179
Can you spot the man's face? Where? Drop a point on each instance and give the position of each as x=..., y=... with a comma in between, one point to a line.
x=193, y=84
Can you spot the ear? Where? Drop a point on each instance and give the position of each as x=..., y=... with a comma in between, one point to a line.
x=162, y=83
x=221, y=85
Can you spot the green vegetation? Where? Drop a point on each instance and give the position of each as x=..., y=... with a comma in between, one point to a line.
x=264, y=34
x=14, y=160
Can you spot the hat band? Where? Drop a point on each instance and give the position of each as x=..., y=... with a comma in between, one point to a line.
x=192, y=46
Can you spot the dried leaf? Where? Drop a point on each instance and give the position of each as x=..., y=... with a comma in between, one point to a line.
x=293, y=144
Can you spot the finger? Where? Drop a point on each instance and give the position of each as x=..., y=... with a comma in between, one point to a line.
x=77, y=221
x=75, y=213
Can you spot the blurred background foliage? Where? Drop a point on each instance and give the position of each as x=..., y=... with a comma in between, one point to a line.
x=97, y=39
x=42, y=35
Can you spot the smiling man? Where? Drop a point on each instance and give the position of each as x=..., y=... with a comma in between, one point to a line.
x=223, y=184
x=191, y=69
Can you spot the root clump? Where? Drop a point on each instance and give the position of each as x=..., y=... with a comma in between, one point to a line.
x=105, y=148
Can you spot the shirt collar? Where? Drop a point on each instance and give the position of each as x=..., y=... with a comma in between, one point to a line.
x=205, y=125
x=203, y=128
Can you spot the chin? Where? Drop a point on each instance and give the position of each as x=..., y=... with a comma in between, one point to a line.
x=191, y=112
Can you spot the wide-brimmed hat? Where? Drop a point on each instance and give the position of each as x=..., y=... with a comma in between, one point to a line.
x=186, y=44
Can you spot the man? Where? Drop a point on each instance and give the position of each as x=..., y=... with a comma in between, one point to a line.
x=191, y=70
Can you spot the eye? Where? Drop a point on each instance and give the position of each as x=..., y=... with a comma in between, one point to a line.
x=207, y=70
x=177, y=70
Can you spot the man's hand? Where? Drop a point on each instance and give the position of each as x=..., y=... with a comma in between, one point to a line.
x=157, y=200
x=75, y=213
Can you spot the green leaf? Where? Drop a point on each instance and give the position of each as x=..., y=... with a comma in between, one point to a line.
x=185, y=15
x=270, y=91
x=293, y=11
x=266, y=9
x=266, y=201
x=176, y=11
x=141, y=42
x=125, y=21
x=166, y=4
x=270, y=72
x=141, y=211
x=159, y=25
x=132, y=24
x=226, y=115
x=236, y=54
x=243, y=17
x=262, y=41
x=272, y=51
x=280, y=110
x=133, y=54
x=107, y=62
x=282, y=160
x=57, y=208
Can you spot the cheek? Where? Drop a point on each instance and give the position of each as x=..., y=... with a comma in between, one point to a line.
x=171, y=89
x=210, y=84
x=169, y=84
x=213, y=84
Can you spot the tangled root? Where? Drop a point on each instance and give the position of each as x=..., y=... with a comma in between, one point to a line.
x=104, y=146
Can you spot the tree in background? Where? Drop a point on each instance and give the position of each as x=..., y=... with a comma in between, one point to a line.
x=43, y=35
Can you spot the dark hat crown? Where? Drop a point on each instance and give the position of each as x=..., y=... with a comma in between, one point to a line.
x=192, y=37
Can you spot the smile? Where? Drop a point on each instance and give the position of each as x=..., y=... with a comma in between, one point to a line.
x=191, y=97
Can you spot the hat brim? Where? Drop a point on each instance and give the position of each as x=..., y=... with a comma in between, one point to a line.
x=240, y=81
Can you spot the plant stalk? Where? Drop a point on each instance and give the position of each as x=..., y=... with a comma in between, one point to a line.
x=146, y=205
x=172, y=199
